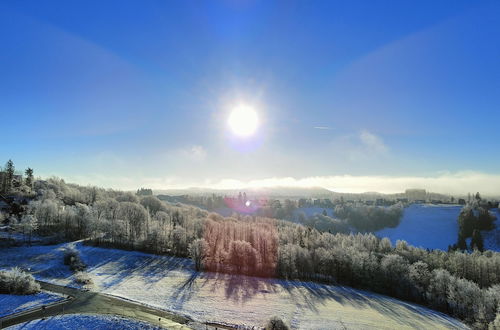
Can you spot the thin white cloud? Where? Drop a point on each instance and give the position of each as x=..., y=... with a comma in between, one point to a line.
x=373, y=142
x=196, y=153
x=323, y=127
x=359, y=148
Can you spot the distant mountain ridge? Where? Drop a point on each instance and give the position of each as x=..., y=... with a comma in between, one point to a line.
x=291, y=192
x=313, y=192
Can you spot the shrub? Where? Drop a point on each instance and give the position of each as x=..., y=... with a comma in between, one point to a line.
x=83, y=278
x=73, y=260
x=16, y=281
x=275, y=323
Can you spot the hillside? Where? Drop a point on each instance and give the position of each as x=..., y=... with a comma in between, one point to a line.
x=170, y=283
x=436, y=227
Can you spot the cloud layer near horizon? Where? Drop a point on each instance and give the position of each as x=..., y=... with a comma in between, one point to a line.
x=446, y=183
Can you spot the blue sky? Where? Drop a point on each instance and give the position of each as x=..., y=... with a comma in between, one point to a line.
x=130, y=93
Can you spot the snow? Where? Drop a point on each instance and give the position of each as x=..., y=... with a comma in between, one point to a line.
x=426, y=225
x=435, y=227
x=170, y=283
x=492, y=238
x=10, y=303
x=45, y=262
x=84, y=321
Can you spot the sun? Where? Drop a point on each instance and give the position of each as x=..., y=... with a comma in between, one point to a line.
x=243, y=121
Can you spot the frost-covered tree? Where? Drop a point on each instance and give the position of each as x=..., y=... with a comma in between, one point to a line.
x=8, y=177
x=438, y=289
x=242, y=256
x=29, y=178
x=29, y=224
x=385, y=245
x=179, y=241
x=16, y=281
x=395, y=270
x=420, y=276
x=197, y=251
x=135, y=216
x=152, y=204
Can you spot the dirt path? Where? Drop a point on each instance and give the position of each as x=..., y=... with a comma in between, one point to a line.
x=80, y=302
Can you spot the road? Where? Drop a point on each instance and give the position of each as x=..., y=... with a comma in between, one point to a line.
x=79, y=302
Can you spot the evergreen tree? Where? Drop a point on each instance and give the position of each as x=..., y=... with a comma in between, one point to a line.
x=29, y=177
x=461, y=243
x=485, y=220
x=466, y=222
x=477, y=241
x=8, y=176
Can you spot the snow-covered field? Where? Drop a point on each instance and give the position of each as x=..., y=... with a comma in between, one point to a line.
x=435, y=227
x=84, y=321
x=11, y=303
x=170, y=283
x=426, y=225
x=492, y=237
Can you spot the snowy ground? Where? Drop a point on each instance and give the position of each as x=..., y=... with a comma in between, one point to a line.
x=435, y=227
x=426, y=225
x=84, y=321
x=170, y=283
x=492, y=237
x=11, y=303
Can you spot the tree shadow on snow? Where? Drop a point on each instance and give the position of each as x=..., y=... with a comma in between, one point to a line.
x=185, y=291
x=238, y=288
x=309, y=295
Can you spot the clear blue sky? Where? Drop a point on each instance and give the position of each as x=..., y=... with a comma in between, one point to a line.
x=129, y=93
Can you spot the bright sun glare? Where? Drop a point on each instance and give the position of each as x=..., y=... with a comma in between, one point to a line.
x=243, y=121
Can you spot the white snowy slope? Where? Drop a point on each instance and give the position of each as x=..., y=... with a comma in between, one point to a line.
x=492, y=237
x=426, y=225
x=435, y=227
x=84, y=321
x=170, y=283
x=12, y=303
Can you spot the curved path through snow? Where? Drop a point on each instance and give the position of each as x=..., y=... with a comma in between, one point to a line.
x=81, y=302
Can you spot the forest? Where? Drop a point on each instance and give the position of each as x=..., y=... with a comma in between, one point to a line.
x=462, y=284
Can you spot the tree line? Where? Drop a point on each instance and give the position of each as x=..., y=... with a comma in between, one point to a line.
x=367, y=218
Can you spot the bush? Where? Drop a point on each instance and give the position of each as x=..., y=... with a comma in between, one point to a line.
x=83, y=278
x=73, y=260
x=16, y=281
x=275, y=323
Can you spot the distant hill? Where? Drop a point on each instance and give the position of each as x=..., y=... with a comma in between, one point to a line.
x=275, y=192
x=292, y=193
